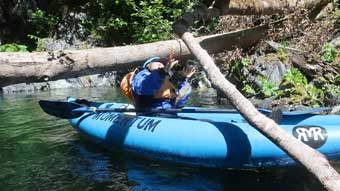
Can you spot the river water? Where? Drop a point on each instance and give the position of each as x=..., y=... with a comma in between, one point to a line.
x=41, y=152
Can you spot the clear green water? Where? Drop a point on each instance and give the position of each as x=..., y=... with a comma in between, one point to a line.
x=41, y=152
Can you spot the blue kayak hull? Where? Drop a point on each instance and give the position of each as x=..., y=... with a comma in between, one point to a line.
x=210, y=140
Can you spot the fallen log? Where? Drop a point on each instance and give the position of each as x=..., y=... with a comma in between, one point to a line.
x=261, y=7
x=250, y=7
x=314, y=161
x=44, y=66
x=264, y=7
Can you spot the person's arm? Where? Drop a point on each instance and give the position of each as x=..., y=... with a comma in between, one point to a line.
x=183, y=94
x=179, y=77
x=184, y=87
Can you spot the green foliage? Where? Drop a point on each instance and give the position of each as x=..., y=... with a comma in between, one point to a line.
x=282, y=54
x=284, y=43
x=294, y=78
x=248, y=90
x=204, y=27
x=38, y=41
x=295, y=86
x=107, y=22
x=238, y=66
x=132, y=21
x=151, y=24
x=329, y=53
x=333, y=90
x=237, y=70
x=44, y=24
x=152, y=20
x=335, y=17
x=314, y=96
x=336, y=80
x=268, y=89
x=13, y=48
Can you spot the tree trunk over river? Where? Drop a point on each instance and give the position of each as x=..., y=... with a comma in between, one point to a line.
x=44, y=66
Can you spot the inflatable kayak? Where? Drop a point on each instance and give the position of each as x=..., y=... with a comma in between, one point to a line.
x=220, y=139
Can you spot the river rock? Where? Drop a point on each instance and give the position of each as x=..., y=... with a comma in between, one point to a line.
x=270, y=67
x=97, y=80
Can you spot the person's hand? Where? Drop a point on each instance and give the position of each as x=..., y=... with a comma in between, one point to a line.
x=188, y=71
x=170, y=65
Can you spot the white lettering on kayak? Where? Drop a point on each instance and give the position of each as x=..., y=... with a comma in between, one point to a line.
x=314, y=136
x=145, y=124
x=312, y=133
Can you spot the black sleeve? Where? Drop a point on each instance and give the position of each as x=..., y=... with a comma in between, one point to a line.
x=177, y=78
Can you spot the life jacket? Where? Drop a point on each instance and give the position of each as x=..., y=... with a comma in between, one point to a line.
x=125, y=84
x=155, y=90
x=167, y=90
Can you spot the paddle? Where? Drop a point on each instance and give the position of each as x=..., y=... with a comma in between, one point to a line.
x=70, y=110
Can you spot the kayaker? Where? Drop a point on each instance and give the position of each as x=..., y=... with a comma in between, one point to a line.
x=160, y=83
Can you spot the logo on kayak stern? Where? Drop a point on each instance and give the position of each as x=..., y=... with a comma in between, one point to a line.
x=314, y=136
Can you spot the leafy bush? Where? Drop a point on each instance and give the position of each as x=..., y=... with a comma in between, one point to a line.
x=329, y=53
x=43, y=23
x=336, y=80
x=238, y=75
x=237, y=68
x=268, y=89
x=295, y=86
x=248, y=90
x=150, y=22
x=294, y=78
x=131, y=21
x=13, y=48
x=107, y=22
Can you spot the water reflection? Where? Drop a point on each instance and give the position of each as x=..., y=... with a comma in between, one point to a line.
x=117, y=171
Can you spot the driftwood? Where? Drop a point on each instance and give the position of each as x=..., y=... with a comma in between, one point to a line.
x=299, y=59
x=44, y=66
x=249, y=7
x=314, y=161
x=262, y=7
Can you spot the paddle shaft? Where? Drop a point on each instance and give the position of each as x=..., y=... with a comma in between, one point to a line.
x=70, y=110
x=156, y=110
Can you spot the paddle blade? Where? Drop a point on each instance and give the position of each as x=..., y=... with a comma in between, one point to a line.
x=60, y=109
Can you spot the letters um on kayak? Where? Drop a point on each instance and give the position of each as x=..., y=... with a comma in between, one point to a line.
x=146, y=124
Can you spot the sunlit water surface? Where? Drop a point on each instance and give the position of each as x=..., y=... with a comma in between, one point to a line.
x=41, y=152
